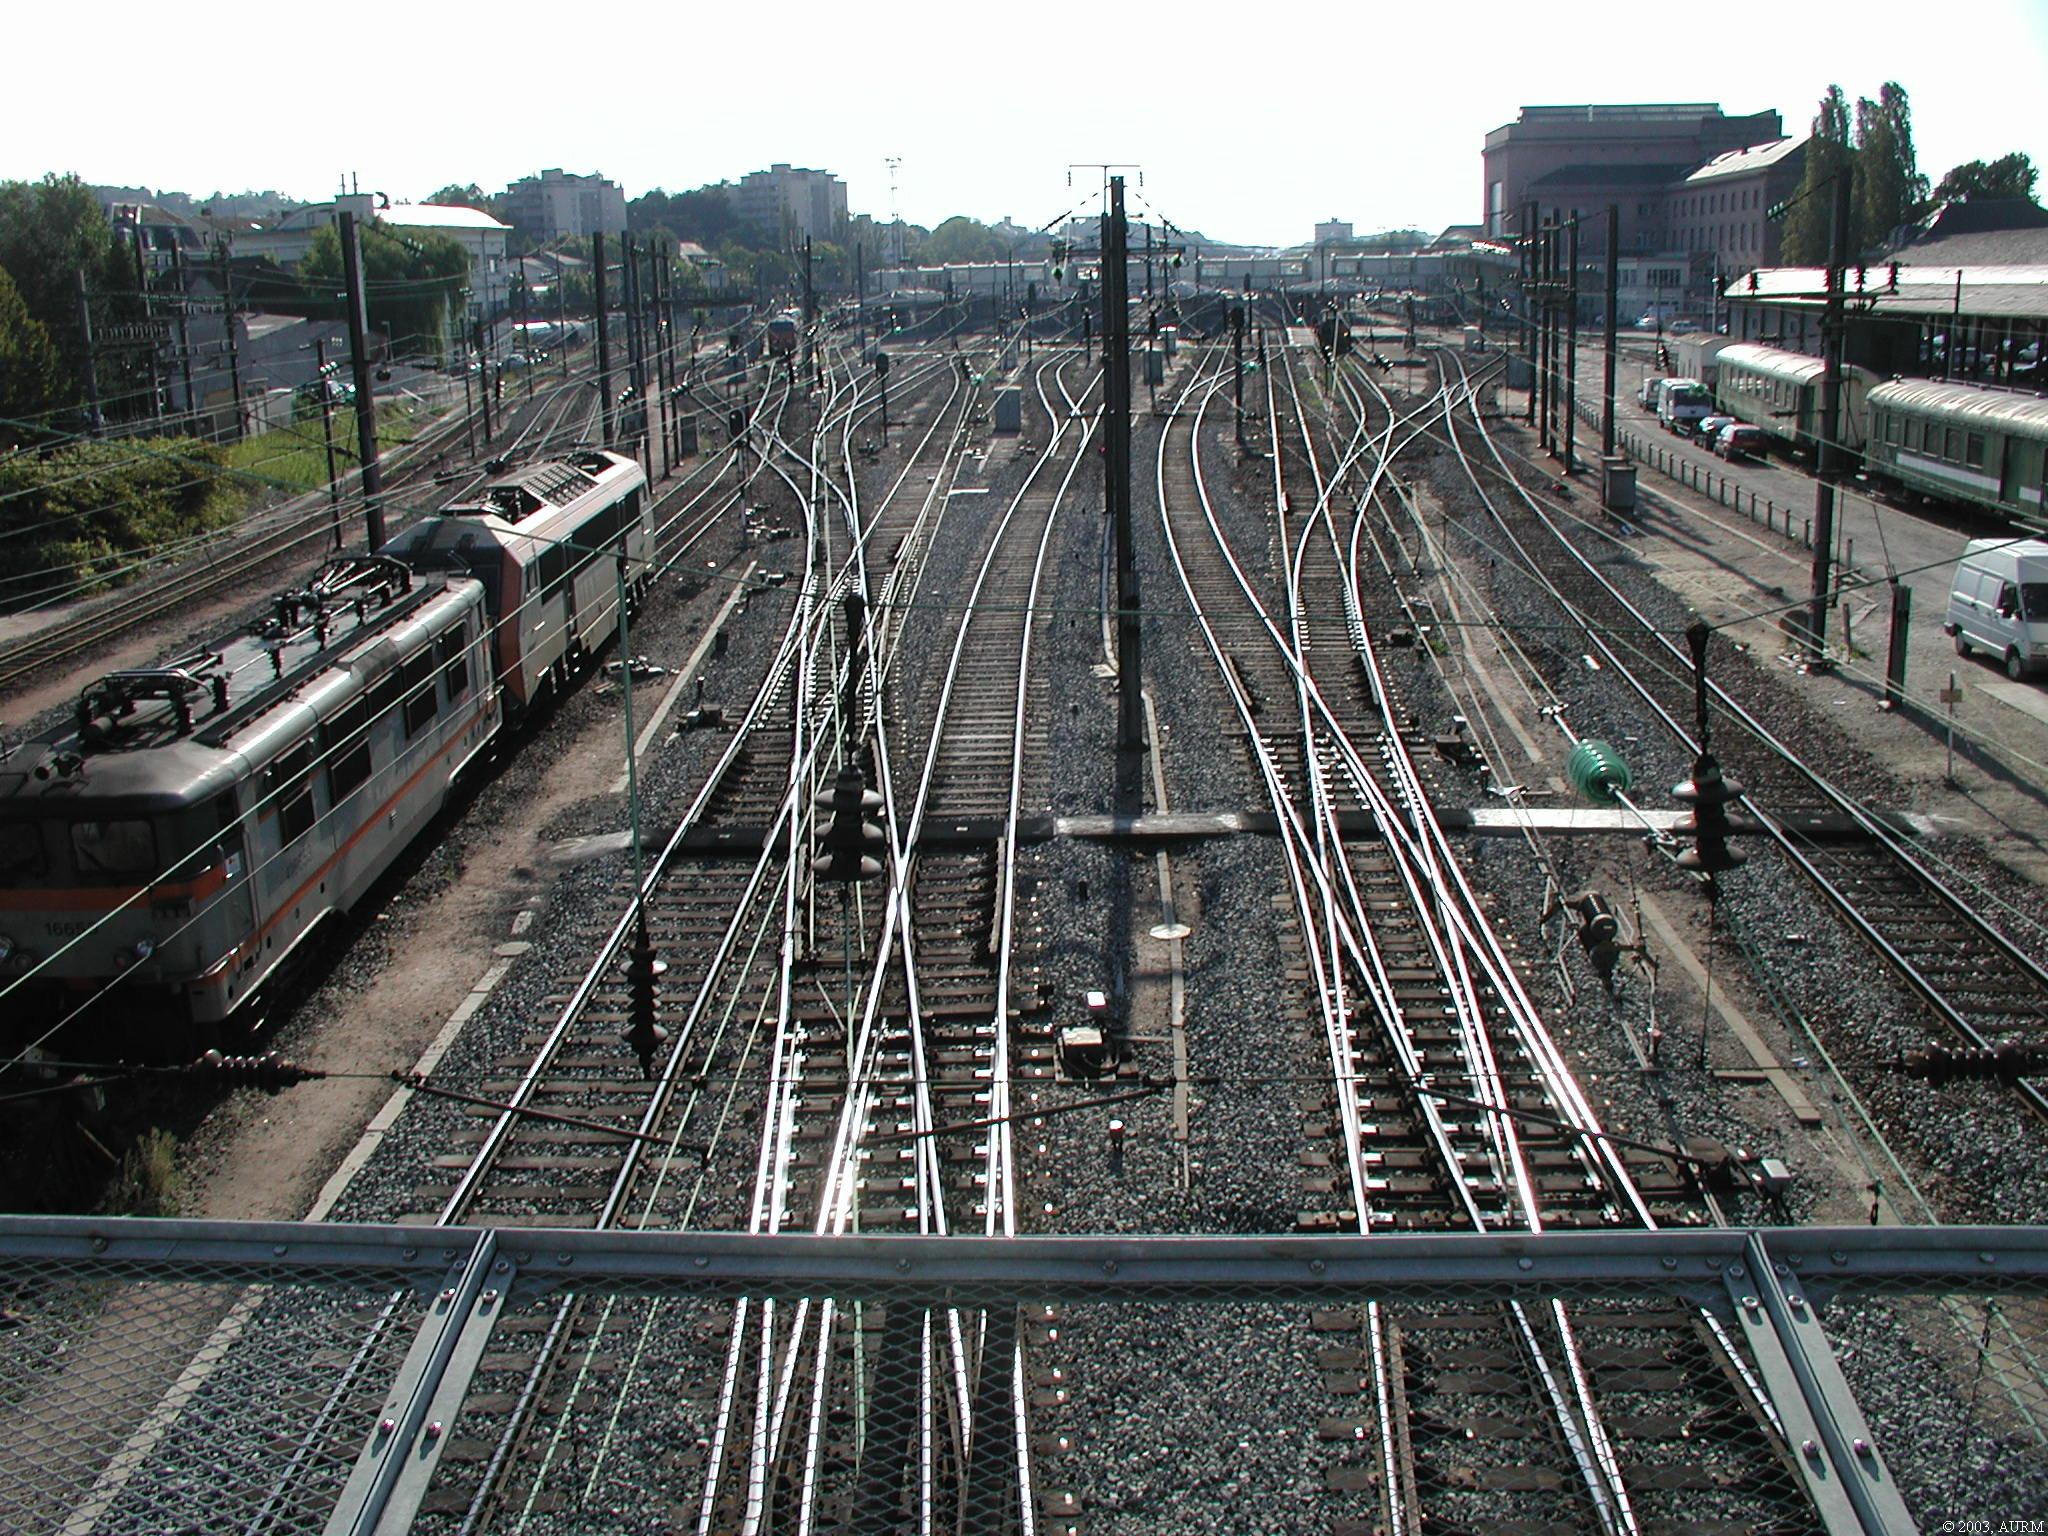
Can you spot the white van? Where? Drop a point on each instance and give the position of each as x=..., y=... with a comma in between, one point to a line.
x=1683, y=403
x=1999, y=603
x=1647, y=395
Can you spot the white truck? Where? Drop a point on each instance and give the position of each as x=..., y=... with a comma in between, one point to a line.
x=1683, y=403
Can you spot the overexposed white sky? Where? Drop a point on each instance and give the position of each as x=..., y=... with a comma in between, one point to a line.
x=1251, y=123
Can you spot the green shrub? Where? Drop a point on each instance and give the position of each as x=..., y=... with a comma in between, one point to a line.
x=94, y=512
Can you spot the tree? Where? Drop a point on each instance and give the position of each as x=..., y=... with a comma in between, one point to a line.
x=88, y=508
x=1889, y=187
x=28, y=366
x=1828, y=151
x=413, y=278
x=961, y=239
x=467, y=196
x=51, y=231
x=2010, y=175
x=705, y=215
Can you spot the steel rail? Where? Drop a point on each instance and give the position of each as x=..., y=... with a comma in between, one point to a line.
x=1955, y=906
x=1578, y=1417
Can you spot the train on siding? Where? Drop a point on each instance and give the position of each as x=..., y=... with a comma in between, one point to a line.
x=166, y=850
x=1972, y=443
x=782, y=333
x=1984, y=446
x=1779, y=391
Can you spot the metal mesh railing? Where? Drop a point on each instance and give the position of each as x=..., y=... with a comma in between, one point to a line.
x=165, y=1376
x=223, y=1392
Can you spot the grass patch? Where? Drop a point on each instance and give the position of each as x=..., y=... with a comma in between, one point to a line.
x=296, y=456
x=150, y=1182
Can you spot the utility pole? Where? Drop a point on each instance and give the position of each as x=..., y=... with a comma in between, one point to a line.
x=92, y=372
x=629, y=294
x=1116, y=426
x=1613, y=298
x=860, y=293
x=810, y=303
x=604, y=339
x=366, y=401
x=562, y=312
x=1237, y=368
x=156, y=399
x=191, y=411
x=1525, y=249
x=1571, y=347
x=526, y=330
x=483, y=382
x=661, y=403
x=227, y=320
x=1543, y=357
x=1828, y=462
x=327, y=429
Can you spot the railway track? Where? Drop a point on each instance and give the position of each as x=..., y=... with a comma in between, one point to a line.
x=1447, y=1105
x=892, y=1113
x=850, y=1059
x=1981, y=988
x=738, y=922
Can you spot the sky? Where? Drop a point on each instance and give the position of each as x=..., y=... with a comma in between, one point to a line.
x=1245, y=124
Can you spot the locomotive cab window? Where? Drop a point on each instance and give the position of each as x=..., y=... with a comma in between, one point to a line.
x=553, y=561
x=288, y=790
x=421, y=704
x=455, y=663
x=114, y=850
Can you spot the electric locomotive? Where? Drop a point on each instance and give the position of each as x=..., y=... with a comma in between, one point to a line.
x=782, y=333
x=546, y=542
x=164, y=852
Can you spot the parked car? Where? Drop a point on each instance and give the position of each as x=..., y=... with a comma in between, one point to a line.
x=1683, y=327
x=1739, y=440
x=1709, y=429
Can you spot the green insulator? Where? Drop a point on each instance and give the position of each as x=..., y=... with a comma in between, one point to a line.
x=1597, y=771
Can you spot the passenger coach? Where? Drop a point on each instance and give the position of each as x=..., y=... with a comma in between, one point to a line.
x=545, y=541
x=1963, y=441
x=164, y=852
x=1779, y=391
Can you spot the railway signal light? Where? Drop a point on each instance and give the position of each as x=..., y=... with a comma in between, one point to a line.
x=881, y=363
x=643, y=1034
x=1708, y=793
x=854, y=845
